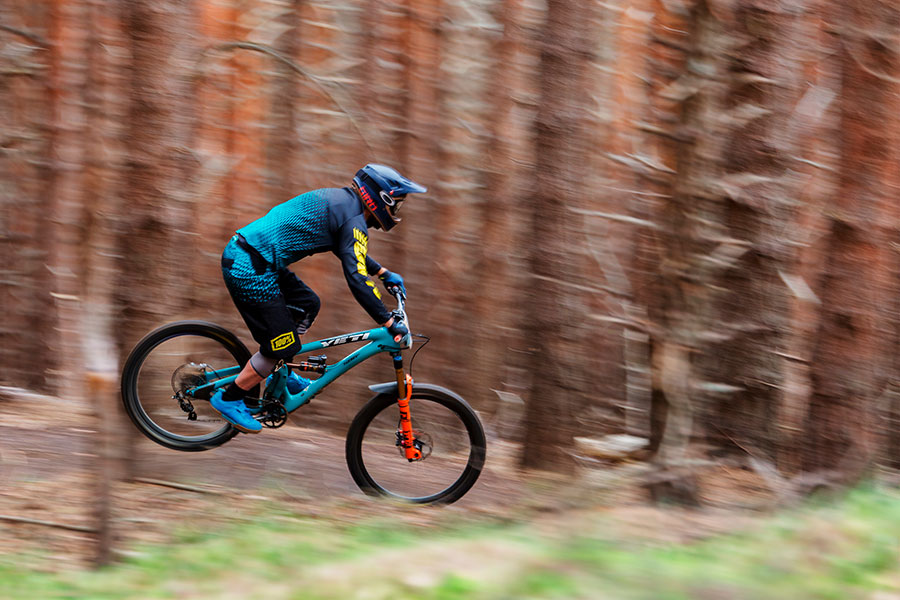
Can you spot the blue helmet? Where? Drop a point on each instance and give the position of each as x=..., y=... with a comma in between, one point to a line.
x=382, y=190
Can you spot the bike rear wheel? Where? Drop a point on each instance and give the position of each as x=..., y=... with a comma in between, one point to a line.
x=446, y=429
x=148, y=382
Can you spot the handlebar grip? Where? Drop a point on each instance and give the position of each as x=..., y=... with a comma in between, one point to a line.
x=395, y=290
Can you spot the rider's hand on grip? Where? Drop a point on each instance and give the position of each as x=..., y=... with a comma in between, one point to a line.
x=392, y=281
x=398, y=329
x=395, y=290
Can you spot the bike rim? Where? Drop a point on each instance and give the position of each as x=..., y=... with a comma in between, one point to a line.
x=444, y=436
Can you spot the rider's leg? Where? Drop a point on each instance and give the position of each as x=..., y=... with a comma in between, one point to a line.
x=256, y=369
x=254, y=289
x=303, y=303
x=271, y=325
x=248, y=378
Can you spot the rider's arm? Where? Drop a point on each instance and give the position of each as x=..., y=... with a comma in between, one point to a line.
x=351, y=246
x=372, y=266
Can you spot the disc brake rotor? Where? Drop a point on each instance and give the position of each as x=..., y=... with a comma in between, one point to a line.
x=421, y=441
x=189, y=376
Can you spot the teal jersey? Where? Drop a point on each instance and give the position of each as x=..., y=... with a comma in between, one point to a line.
x=324, y=220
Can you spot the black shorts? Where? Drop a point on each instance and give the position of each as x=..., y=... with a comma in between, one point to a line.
x=276, y=320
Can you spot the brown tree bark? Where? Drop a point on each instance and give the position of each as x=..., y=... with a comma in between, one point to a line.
x=665, y=142
x=25, y=176
x=104, y=108
x=683, y=246
x=281, y=168
x=492, y=310
x=68, y=75
x=811, y=137
x=552, y=314
x=154, y=238
x=849, y=361
x=621, y=96
x=769, y=132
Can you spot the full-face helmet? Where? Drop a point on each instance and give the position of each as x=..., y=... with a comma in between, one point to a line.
x=382, y=190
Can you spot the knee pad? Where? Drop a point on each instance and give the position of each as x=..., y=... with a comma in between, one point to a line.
x=263, y=365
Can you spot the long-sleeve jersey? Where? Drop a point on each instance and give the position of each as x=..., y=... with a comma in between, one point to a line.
x=324, y=220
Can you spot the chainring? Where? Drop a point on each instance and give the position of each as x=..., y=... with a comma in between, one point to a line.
x=272, y=415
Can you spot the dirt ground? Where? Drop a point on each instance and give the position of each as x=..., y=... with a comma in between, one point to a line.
x=49, y=463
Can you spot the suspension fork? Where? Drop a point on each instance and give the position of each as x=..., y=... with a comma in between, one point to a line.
x=404, y=393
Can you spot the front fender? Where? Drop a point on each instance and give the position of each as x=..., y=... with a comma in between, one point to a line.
x=390, y=389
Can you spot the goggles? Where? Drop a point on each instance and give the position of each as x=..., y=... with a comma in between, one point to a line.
x=393, y=203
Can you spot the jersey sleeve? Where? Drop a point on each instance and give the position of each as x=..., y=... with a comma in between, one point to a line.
x=372, y=266
x=351, y=247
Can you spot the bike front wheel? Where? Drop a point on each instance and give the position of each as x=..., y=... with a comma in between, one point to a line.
x=180, y=355
x=447, y=432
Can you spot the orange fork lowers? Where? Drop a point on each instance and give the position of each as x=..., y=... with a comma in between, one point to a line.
x=406, y=431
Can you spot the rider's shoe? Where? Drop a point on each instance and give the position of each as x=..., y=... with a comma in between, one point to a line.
x=236, y=413
x=295, y=383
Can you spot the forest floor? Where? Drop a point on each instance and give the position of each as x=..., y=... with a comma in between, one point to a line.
x=284, y=498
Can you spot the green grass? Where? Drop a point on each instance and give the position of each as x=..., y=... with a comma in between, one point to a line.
x=843, y=549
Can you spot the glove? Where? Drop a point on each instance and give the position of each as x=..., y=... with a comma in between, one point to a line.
x=398, y=327
x=392, y=279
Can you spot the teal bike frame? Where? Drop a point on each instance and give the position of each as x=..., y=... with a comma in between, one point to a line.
x=379, y=340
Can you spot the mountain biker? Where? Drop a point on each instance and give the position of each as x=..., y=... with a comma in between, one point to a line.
x=276, y=306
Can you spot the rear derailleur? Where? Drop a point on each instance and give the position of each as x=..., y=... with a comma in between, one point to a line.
x=185, y=404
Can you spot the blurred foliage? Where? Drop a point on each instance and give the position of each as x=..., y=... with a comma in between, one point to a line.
x=675, y=219
x=840, y=548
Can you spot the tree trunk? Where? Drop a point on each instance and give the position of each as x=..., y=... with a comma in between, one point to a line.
x=154, y=240
x=68, y=75
x=666, y=144
x=683, y=245
x=104, y=107
x=492, y=307
x=26, y=176
x=761, y=184
x=553, y=311
x=281, y=147
x=849, y=362
x=624, y=90
x=811, y=136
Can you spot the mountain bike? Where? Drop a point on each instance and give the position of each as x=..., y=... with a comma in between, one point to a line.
x=415, y=442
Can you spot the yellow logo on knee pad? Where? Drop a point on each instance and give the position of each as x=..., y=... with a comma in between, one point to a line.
x=283, y=341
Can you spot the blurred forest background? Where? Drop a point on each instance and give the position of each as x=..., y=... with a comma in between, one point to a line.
x=672, y=219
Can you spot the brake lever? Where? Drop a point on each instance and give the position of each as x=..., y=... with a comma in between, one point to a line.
x=396, y=291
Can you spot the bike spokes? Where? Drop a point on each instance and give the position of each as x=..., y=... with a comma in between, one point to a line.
x=441, y=442
x=170, y=377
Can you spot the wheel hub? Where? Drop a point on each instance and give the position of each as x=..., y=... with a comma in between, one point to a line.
x=421, y=442
x=189, y=376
